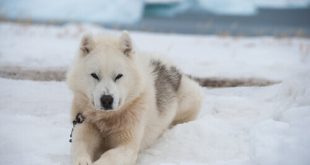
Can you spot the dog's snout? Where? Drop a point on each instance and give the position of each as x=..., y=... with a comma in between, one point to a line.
x=106, y=101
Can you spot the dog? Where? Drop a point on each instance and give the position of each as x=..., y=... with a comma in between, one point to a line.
x=128, y=99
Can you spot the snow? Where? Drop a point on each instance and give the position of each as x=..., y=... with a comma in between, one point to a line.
x=242, y=126
x=237, y=126
x=120, y=11
x=127, y=12
x=41, y=46
x=35, y=123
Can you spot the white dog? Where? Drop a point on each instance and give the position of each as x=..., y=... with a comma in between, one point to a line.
x=128, y=99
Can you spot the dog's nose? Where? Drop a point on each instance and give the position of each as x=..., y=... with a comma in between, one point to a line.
x=106, y=101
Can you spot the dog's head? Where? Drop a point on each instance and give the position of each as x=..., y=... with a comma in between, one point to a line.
x=105, y=71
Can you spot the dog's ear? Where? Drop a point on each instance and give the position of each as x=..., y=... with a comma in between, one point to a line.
x=87, y=44
x=126, y=44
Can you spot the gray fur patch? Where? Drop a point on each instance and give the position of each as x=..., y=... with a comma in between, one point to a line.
x=167, y=83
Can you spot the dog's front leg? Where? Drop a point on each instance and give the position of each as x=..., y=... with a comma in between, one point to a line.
x=125, y=152
x=85, y=140
x=122, y=155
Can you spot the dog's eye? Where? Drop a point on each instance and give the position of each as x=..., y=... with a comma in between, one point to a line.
x=95, y=76
x=118, y=77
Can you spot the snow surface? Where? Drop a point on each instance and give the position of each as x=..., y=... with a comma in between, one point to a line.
x=237, y=126
x=42, y=46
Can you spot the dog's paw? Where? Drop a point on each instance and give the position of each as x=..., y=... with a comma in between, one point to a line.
x=82, y=161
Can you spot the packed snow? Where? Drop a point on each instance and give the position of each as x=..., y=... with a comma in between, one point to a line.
x=242, y=126
x=35, y=124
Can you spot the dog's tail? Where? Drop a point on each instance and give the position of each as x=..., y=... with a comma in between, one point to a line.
x=214, y=82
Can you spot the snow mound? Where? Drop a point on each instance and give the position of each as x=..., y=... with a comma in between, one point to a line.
x=103, y=11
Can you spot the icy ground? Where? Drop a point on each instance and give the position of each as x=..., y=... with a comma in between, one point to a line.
x=242, y=126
